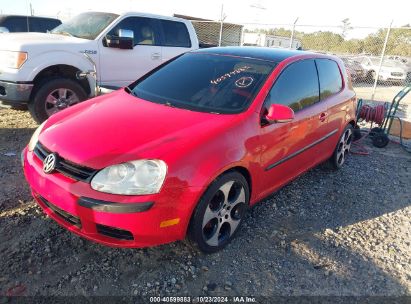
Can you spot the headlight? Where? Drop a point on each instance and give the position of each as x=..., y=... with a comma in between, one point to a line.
x=35, y=137
x=132, y=178
x=12, y=60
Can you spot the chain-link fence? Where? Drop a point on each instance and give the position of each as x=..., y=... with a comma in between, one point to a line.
x=378, y=59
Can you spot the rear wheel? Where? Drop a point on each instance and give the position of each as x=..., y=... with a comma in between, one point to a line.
x=342, y=149
x=220, y=212
x=54, y=95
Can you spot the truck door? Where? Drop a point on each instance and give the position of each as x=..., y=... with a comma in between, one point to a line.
x=119, y=67
x=176, y=38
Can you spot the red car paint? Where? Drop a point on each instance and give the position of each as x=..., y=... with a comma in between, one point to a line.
x=197, y=147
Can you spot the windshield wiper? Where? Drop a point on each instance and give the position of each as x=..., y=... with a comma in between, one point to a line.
x=63, y=33
x=130, y=91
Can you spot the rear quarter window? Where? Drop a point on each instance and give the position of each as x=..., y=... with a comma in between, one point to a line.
x=42, y=25
x=329, y=76
x=16, y=24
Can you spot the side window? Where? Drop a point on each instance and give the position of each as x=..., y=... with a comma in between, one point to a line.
x=42, y=25
x=145, y=30
x=329, y=76
x=175, y=34
x=296, y=87
x=16, y=24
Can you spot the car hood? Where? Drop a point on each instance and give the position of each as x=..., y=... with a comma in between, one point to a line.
x=23, y=41
x=119, y=127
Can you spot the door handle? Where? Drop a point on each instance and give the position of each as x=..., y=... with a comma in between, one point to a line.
x=323, y=116
x=155, y=56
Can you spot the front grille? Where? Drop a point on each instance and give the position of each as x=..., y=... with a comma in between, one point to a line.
x=65, y=167
x=61, y=213
x=397, y=74
x=114, y=232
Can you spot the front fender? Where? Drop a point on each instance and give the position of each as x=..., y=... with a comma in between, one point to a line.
x=36, y=64
x=222, y=150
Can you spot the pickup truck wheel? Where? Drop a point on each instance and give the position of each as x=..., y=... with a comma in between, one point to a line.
x=53, y=96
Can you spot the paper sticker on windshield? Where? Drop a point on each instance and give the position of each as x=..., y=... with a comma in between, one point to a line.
x=244, y=82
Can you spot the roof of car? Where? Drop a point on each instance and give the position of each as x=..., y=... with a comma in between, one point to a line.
x=262, y=53
x=3, y=17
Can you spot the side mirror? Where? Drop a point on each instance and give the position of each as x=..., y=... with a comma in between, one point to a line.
x=4, y=29
x=124, y=40
x=278, y=113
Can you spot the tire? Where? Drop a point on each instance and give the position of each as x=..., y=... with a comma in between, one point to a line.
x=380, y=140
x=220, y=212
x=342, y=149
x=53, y=95
x=375, y=131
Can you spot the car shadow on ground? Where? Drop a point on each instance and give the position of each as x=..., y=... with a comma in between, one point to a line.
x=292, y=243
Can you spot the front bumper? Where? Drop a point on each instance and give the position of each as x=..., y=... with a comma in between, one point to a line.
x=14, y=92
x=112, y=220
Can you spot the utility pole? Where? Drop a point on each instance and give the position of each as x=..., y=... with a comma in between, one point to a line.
x=377, y=75
x=292, y=34
x=221, y=24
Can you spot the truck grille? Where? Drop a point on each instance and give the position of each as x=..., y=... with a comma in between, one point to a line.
x=65, y=167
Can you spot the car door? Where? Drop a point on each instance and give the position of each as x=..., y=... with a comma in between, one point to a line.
x=291, y=148
x=119, y=67
x=176, y=39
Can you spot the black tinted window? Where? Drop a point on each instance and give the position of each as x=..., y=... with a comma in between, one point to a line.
x=175, y=34
x=296, y=87
x=42, y=25
x=205, y=82
x=330, y=77
x=16, y=24
x=144, y=29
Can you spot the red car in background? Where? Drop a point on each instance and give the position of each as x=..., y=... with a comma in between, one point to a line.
x=186, y=149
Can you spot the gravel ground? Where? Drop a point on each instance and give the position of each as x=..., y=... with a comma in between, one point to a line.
x=327, y=233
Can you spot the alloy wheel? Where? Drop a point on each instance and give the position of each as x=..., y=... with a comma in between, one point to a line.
x=60, y=99
x=224, y=213
x=344, y=146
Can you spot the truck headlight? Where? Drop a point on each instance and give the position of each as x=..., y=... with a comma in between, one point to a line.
x=35, y=137
x=12, y=60
x=132, y=178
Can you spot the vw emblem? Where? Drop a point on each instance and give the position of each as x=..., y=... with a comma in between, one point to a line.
x=244, y=82
x=49, y=163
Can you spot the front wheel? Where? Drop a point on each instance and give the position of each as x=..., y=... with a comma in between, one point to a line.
x=220, y=212
x=54, y=95
x=342, y=149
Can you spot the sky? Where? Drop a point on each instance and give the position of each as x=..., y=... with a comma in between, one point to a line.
x=362, y=13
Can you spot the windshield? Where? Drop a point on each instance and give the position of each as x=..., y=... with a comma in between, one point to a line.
x=86, y=25
x=205, y=82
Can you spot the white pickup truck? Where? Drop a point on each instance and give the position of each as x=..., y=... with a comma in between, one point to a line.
x=42, y=70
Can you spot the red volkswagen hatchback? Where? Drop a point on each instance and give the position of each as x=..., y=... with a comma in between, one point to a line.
x=186, y=149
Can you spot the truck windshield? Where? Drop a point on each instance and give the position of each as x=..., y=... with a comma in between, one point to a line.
x=205, y=83
x=86, y=25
